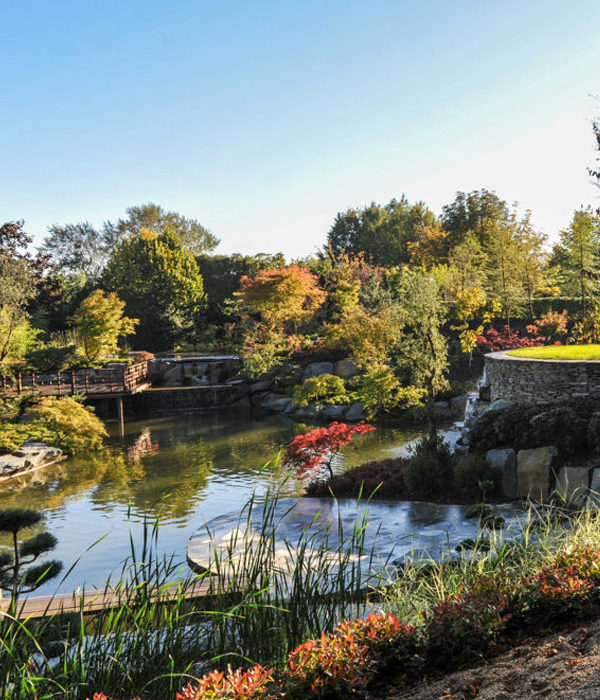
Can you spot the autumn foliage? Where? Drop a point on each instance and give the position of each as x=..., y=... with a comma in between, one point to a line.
x=311, y=453
x=283, y=296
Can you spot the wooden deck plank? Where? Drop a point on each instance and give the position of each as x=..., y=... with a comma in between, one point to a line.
x=34, y=607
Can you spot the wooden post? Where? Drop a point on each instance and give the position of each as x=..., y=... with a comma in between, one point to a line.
x=85, y=377
x=58, y=383
x=120, y=416
x=33, y=383
x=19, y=383
x=72, y=381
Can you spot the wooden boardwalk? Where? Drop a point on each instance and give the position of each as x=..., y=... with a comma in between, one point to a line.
x=36, y=607
x=106, y=382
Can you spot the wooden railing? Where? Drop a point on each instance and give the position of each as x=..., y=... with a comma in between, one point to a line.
x=126, y=380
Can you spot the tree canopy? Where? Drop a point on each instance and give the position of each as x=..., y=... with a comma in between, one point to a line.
x=161, y=284
x=381, y=233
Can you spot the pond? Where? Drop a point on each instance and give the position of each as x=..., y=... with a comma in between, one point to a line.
x=184, y=469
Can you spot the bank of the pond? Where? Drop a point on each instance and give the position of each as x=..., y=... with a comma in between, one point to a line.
x=184, y=469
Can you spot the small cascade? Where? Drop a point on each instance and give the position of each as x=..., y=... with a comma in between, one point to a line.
x=476, y=404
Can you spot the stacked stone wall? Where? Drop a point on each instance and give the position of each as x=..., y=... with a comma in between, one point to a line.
x=525, y=380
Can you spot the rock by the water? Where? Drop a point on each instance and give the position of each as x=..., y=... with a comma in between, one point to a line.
x=441, y=410
x=317, y=368
x=345, y=368
x=498, y=405
x=334, y=412
x=594, y=496
x=534, y=468
x=312, y=411
x=261, y=385
x=356, y=412
x=572, y=484
x=31, y=455
x=276, y=402
x=504, y=464
x=458, y=405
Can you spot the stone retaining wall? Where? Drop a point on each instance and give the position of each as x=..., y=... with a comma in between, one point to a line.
x=525, y=380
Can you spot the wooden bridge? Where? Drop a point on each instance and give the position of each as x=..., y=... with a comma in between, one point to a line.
x=99, y=383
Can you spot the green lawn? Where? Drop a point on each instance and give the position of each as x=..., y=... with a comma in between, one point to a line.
x=560, y=352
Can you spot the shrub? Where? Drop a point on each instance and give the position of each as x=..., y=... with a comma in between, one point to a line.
x=385, y=475
x=344, y=662
x=470, y=471
x=70, y=425
x=53, y=357
x=467, y=625
x=13, y=435
x=557, y=594
x=325, y=388
x=251, y=684
x=429, y=471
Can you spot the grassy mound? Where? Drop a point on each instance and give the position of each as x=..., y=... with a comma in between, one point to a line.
x=559, y=352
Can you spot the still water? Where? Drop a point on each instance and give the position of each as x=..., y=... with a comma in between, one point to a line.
x=185, y=470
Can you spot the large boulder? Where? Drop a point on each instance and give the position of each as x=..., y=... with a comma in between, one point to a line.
x=498, y=405
x=441, y=410
x=458, y=405
x=534, y=468
x=504, y=465
x=276, y=402
x=595, y=487
x=356, y=412
x=572, y=484
x=261, y=385
x=317, y=368
x=312, y=412
x=334, y=412
x=31, y=455
x=345, y=368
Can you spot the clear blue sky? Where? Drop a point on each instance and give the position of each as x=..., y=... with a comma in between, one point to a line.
x=263, y=119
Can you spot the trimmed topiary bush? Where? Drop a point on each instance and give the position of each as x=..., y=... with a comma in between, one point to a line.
x=325, y=388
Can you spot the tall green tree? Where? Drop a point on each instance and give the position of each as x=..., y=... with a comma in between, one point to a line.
x=78, y=248
x=193, y=236
x=532, y=262
x=18, y=286
x=422, y=313
x=161, y=284
x=504, y=284
x=382, y=233
x=473, y=212
x=578, y=253
x=82, y=247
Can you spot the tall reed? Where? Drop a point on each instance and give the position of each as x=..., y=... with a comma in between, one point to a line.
x=149, y=643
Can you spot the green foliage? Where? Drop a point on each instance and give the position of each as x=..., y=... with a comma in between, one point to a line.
x=470, y=471
x=73, y=427
x=100, y=323
x=381, y=233
x=379, y=389
x=52, y=358
x=222, y=275
x=152, y=217
x=161, y=285
x=13, y=435
x=578, y=255
x=429, y=472
x=17, y=574
x=325, y=388
x=566, y=426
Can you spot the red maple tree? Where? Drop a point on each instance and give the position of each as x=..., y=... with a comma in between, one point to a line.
x=314, y=451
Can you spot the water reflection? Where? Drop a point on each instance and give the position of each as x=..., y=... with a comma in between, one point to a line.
x=184, y=469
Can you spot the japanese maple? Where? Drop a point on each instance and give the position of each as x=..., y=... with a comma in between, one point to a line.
x=311, y=453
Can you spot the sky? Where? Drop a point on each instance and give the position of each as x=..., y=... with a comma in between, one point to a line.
x=264, y=119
